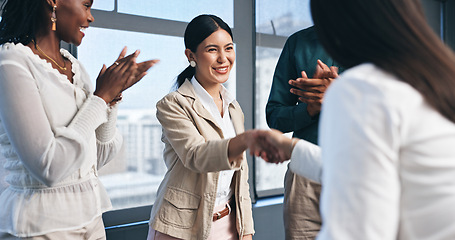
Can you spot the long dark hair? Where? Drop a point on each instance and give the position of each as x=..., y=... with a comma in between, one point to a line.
x=395, y=36
x=196, y=32
x=22, y=20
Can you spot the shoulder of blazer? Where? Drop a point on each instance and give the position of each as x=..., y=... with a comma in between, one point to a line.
x=236, y=105
x=187, y=89
x=182, y=93
x=186, y=97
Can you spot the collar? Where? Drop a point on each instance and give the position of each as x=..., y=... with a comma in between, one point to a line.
x=187, y=90
x=206, y=98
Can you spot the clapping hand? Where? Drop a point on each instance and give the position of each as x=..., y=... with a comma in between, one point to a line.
x=121, y=75
x=311, y=90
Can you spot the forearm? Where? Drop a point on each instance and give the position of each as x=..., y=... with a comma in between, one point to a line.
x=288, y=118
x=237, y=145
x=109, y=140
x=92, y=114
x=306, y=160
x=106, y=131
x=68, y=147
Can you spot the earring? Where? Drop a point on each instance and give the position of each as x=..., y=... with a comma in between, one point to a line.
x=192, y=63
x=54, y=18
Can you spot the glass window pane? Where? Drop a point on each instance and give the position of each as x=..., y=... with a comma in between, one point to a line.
x=268, y=175
x=107, y=5
x=179, y=10
x=102, y=46
x=133, y=178
x=282, y=17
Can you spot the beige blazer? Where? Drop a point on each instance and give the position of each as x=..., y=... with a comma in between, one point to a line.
x=195, y=151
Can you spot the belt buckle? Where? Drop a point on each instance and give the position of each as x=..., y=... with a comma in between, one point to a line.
x=220, y=214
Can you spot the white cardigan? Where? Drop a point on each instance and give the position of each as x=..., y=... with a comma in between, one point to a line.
x=47, y=135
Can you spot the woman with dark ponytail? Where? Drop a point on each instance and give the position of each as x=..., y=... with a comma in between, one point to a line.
x=56, y=130
x=188, y=73
x=205, y=192
x=195, y=34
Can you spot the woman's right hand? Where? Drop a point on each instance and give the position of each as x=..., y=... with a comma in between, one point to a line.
x=121, y=75
x=271, y=145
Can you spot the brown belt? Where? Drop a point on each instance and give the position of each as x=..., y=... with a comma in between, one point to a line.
x=222, y=213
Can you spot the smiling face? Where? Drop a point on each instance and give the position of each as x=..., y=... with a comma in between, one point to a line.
x=214, y=58
x=73, y=17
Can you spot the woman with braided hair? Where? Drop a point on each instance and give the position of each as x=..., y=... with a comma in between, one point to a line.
x=56, y=131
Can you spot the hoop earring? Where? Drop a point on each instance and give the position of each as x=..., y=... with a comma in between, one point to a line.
x=192, y=63
x=54, y=18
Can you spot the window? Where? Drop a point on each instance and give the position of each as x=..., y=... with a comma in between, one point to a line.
x=275, y=21
x=282, y=18
x=104, y=5
x=178, y=10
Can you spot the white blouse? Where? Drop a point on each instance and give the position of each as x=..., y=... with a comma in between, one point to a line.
x=223, y=190
x=55, y=135
x=388, y=161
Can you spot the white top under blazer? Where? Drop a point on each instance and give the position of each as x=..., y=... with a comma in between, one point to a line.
x=223, y=189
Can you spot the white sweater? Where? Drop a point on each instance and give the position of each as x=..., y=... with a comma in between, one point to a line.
x=55, y=135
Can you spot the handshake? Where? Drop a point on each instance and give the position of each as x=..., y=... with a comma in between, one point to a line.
x=274, y=147
x=271, y=145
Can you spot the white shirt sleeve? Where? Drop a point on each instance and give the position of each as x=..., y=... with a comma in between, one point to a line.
x=109, y=140
x=359, y=142
x=306, y=160
x=50, y=154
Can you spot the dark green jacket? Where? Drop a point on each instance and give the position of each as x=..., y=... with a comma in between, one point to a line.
x=283, y=111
